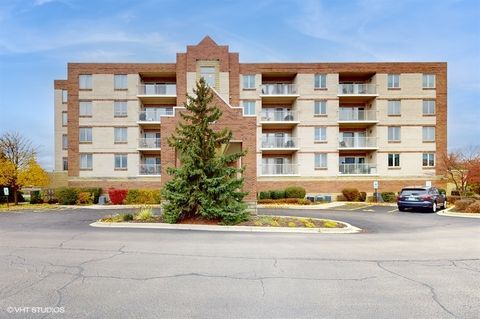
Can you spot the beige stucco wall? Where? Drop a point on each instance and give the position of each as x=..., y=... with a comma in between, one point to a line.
x=103, y=88
x=59, y=107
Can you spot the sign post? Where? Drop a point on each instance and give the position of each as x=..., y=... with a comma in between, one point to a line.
x=6, y=193
x=375, y=190
x=428, y=183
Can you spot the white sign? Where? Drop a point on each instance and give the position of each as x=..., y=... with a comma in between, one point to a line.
x=5, y=191
x=428, y=183
x=375, y=184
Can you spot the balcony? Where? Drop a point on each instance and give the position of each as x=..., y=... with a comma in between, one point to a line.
x=150, y=169
x=279, y=144
x=279, y=169
x=357, y=91
x=355, y=117
x=149, y=144
x=357, y=169
x=158, y=92
x=357, y=143
x=152, y=116
x=279, y=92
x=274, y=118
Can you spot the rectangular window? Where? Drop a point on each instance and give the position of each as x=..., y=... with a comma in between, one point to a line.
x=64, y=118
x=64, y=96
x=249, y=81
x=85, y=108
x=320, y=134
x=394, y=134
x=428, y=107
x=120, y=134
x=120, y=109
x=65, y=163
x=121, y=161
x=85, y=81
x=393, y=81
x=320, y=108
x=120, y=82
x=320, y=160
x=429, y=81
x=86, y=134
x=428, y=133
x=393, y=160
x=86, y=161
x=64, y=141
x=428, y=160
x=320, y=81
x=249, y=108
x=394, y=107
x=208, y=74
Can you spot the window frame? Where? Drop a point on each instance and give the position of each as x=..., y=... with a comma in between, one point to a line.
x=429, y=157
x=244, y=106
x=120, y=114
x=64, y=141
x=323, y=106
x=123, y=82
x=64, y=118
x=320, y=158
x=214, y=74
x=123, y=162
x=425, y=104
x=64, y=96
x=247, y=82
x=321, y=129
x=85, y=134
x=64, y=163
x=321, y=80
x=395, y=83
x=84, y=104
x=427, y=78
x=393, y=140
x=89, y=158
x=393, y=160
x=390, y=102
x=116, y=139
x=85, y=81
x=426, y=133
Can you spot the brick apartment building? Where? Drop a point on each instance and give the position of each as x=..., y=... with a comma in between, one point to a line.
x=324, y=126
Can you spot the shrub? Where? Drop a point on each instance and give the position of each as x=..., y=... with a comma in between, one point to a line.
x=370, y=199
x=351, y=194
x=474, y=208
x=132, y=196
x=143, y=196
x=452, y=199
x=295, y=192
x=94, y=191
x=455, y=193
x=264, y=195
x=303, y=201
x=389, y=197
x=266, y=201
x=362, y=197
x=462, y=204
x=292, y=224
x=126, y=217
x=329, y=224
x=117, y=196
x=84, y=198
x=441, y=190
x=278, y=194
x=341, y=198
x=145, y=213
x=36, y=197
x=274, y=223
x=67, y=196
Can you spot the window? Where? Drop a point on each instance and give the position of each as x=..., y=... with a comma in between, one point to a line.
x=86, y=134
x=208, y=74
x=65, y=163
x=64, y=118
x=320, y=81
x=249, y=108
x=393, y=81
x=120, y=134
x=393, y=133
x=64, y=96
x=320, y=108
x=393, y=160
x=428, y=133
x=121, y=161
x=394, y=107
x=320, y=134
x=85, y=81
x=429, y=81
x=321, y=160
x=428, y=107
x=249, y=81
x=86, y=161
x=120, y=82
x=86, y=109
x=120, y=109
x=428, y=160
x=64, y=141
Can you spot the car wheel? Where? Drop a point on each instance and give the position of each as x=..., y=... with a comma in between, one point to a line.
x=402, y=209
x=434, y=207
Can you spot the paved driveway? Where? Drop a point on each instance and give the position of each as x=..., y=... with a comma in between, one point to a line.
x=405, y=265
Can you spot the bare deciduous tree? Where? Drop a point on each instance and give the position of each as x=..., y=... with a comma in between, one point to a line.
x=462, y=168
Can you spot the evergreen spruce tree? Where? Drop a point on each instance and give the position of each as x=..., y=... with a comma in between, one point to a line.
x=204, y=185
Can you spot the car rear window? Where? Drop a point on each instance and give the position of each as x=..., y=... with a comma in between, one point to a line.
x=413, y=191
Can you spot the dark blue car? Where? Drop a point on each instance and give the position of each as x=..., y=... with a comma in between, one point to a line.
x=421, y=198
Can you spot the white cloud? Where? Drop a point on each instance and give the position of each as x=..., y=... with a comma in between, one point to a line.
x=42, y=2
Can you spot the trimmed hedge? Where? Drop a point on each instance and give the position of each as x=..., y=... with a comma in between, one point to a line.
x=300, y=201
x=36, y=197
x=264, y=195
x=362, y=197
x=462, y=204
x=277, y=194
x=389, y=197
x=474, y=208
x=84, y=198
x=66, y=196
x=295, y=192
x=143, y=196
x=351, y=194
x=117, y=196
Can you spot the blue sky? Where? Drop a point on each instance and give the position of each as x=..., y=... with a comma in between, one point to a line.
x=39, y=37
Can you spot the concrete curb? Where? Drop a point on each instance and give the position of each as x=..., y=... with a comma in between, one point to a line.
x=449, y=213
x=324, y=206
x=219, y=228
x=119, y=206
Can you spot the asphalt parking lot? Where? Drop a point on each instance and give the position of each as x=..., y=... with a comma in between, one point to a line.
x=403, y=265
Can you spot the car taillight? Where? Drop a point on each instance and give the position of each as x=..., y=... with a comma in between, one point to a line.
x=426, y=197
